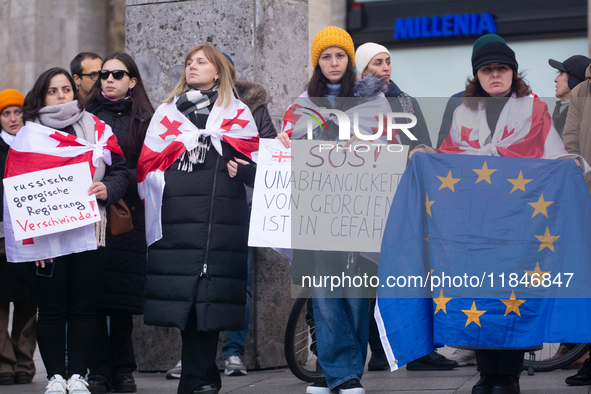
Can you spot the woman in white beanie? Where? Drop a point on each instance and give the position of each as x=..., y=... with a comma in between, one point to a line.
x=372, y=58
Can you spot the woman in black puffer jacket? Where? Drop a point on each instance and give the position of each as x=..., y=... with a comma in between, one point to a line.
x=119, y=99
x=192, y=170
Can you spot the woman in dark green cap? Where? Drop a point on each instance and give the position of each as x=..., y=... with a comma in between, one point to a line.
x=498, y=116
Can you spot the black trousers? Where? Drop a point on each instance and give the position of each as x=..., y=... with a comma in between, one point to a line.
x=493, y=361
x=198, y=358
x=113, y=348
x=68, y=296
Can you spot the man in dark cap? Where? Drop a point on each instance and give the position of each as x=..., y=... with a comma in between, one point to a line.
x=571, y=72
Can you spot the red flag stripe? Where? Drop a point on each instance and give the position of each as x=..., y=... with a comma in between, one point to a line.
x=244, y=146
x=18, y=163
x=151, y=161
x=532, y=145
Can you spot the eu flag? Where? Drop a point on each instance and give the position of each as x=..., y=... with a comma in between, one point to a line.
x=485, y=251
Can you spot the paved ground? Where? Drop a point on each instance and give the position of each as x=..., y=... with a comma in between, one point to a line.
x=281, y=381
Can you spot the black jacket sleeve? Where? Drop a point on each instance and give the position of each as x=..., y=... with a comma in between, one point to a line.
x=264, y=122
x=420, y=131
x=246, y=174
x=454, y=102
x=116, y=179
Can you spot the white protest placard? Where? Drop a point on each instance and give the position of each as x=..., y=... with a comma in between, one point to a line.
x=343, y=195
x=333, y=198
x=50, y=201
x=270, y=224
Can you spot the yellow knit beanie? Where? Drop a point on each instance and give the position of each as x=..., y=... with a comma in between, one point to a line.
x=9, y=97
x=332, y=36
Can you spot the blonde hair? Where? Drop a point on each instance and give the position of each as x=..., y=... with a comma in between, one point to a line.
x=225, y=71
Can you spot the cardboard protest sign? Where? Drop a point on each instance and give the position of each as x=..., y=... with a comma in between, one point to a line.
x=320, y=196
x=50, y=201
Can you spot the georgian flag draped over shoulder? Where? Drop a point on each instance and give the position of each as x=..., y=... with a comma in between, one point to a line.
x=37, y=148
x=368, y=111
x=516, y=135
x=170, y=134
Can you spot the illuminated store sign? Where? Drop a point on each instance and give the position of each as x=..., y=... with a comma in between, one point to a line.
x=444, y=26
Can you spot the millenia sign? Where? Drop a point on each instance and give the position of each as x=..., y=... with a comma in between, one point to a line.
x=444, y=26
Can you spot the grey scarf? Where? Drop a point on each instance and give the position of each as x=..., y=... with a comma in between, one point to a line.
x=68, y=114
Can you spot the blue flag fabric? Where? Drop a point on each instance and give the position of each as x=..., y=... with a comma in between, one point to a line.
x=485, y=252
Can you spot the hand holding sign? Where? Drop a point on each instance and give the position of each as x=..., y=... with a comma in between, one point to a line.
x=99, y=190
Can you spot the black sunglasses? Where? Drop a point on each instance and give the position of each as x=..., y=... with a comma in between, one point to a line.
x=93, y=75
x=117, y=74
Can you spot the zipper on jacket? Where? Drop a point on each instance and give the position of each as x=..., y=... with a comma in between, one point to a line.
x=215, y=181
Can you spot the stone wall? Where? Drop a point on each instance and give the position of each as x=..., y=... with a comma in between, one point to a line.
x=268, y=41
x=38, y=34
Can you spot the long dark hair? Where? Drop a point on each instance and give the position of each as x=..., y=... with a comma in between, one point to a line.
x=35, y=99
x=140, y=101
x=317, y=85
x=474, y=92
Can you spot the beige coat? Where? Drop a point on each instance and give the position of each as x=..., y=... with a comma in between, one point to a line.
x=577, y=131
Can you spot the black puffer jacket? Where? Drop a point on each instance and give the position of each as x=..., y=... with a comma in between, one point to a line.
x=200, y=262
x=16, y=284
x=255, y=96
x=122, y=286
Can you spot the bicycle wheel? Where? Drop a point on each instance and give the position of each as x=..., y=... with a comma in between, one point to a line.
x=538, y=361
x=300, y=340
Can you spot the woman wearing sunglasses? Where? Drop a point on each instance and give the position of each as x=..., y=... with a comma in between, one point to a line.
x=66, y=286
x=119, y=99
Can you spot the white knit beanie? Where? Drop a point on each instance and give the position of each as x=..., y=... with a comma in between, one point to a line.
x=365, y=53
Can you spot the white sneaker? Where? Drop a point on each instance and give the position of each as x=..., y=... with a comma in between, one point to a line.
x=175, y=373
x=57, y=385
x=463, y=357
x=234, y=366
x=77, y=385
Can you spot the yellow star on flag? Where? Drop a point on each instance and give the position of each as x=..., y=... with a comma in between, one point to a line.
x=448, y=181
x=428, y=205
x=427, y=239
x=539, y=275
x=547, y=240
x=484, y=173
x=473, y=315
x=540, y=206
x=519, y=183
x=441, y=301
x=512, y=304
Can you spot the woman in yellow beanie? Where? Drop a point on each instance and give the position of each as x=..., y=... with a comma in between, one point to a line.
x=341, y=317
x=16, y=349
